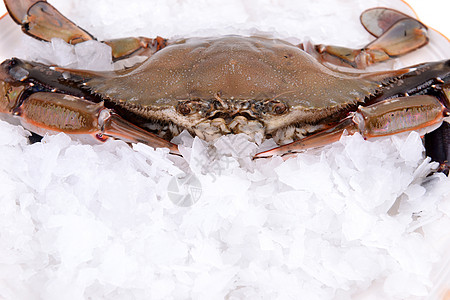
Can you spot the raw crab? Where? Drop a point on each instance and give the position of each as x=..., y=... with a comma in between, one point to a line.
x=295, y=94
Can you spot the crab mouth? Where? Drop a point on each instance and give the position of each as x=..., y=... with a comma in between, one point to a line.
x=212, y=129
x=211, y=119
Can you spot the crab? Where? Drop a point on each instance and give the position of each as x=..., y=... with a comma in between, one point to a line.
x=302, y=96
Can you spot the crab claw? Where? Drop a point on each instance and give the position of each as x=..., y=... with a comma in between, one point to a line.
x=320, y=139
x=79, y=118
x=41, y=20
x=423, y=113
x=378, y=20
x=397, y=34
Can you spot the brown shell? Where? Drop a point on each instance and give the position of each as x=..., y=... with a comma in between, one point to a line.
x=237, y=69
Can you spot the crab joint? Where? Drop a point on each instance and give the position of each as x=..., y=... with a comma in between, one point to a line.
x=422, y=113
x=9, y=96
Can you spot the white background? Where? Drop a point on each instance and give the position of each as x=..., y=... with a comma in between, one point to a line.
x=433, y=13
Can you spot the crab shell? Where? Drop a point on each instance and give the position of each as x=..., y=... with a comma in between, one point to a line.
x=233, y=84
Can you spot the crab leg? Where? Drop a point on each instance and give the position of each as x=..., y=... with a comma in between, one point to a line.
x=42, y=21
x=396, y=33
x=423, y=113
x=45, y=112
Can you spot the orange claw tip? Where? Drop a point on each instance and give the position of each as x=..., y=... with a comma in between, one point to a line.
x=261, y=155
x=268, y=153
x=275, y=152
x=173, y=149
x=264, y=154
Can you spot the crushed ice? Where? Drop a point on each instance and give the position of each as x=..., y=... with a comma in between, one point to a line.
x=100, y=220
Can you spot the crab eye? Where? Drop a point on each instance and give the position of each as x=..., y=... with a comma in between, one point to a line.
x=278, y=108
x=184, y=108
x=187, y=107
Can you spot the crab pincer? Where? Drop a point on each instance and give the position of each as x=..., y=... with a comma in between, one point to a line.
x=52, y=112
x=397, y=34
x=422, y=113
